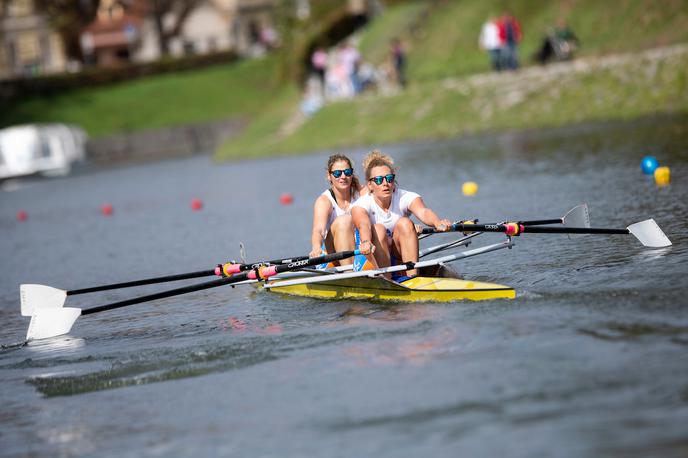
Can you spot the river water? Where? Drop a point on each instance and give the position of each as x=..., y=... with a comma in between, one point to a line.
x=590, y=359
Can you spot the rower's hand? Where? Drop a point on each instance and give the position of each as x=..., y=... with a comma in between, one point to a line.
x=443, y=225
x=315, y=252
x=366, y=247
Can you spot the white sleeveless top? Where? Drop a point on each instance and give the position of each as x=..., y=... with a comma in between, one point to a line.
x=399, y=207
x=336, y=209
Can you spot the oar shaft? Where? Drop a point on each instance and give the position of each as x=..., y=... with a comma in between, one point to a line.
x=145, y=281
x=164, y=294
x=517, y=229
x=253, y=274
x=574, y=230
x=537, y=222
x=176, y=277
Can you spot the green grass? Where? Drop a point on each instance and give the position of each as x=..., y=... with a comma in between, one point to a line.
x=441, y=39
x=448, y=42
x=432, y=110
x=374, y=44
x=240, y=89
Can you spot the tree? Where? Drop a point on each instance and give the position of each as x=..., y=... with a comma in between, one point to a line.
x=69, y=18
x=179, y=11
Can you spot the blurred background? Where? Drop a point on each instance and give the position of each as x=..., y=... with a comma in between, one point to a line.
x=113, y=81
x=141, y=138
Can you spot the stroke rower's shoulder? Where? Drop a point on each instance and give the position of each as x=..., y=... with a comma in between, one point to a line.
x=323, y=200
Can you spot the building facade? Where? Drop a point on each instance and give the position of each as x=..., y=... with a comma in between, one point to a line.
x=125, y=31
x=29, y=46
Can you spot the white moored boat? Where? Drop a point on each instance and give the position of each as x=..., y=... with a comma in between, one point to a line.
x=48, y=149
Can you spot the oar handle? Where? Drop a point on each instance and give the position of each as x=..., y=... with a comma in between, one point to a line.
x=145, y=281
x=260, y=273
x=231, y=268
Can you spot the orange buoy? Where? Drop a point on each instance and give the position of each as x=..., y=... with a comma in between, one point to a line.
x=107, y=209
x=196, y=204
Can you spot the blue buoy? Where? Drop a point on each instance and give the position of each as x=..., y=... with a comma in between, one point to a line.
x=649, y=164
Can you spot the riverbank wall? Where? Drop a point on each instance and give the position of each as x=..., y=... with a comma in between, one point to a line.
x=165, y=143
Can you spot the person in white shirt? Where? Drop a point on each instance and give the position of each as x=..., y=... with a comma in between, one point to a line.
x=333, y=229
x=382, y=216
x=491, y=42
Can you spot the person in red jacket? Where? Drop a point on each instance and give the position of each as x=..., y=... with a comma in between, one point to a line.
x=510, y=35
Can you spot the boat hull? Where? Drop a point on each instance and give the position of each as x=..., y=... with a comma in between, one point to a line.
x=417, y=289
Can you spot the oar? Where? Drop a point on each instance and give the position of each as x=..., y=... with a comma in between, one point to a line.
x=396, y=268
x=578, y=216
x=50, y=321
x=647, y=232
x=49, y=296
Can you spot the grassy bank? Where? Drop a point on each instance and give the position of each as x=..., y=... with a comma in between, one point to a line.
x=591, y=89
x=445, y=43
x=452, y=92
x=236, y=89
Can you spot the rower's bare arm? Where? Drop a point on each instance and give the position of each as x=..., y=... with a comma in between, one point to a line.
x=321, y=212
x=427, y=216
x=361, y=221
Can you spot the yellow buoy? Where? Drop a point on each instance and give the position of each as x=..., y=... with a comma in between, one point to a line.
x=469, y=188
x=662, y=176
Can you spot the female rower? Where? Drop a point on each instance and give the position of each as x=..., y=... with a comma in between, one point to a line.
x=332, y=224
x=382, y=216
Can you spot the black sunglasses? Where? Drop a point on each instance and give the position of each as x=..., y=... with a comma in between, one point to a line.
x=347, y=172
x=379, y=179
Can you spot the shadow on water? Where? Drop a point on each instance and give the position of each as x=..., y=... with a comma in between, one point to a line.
x=635, y=331
x=248, y=346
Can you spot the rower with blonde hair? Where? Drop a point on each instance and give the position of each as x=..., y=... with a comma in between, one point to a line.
x=382, y=215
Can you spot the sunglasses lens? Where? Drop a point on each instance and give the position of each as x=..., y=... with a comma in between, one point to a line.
x=378, y=180
x=390, y=178
x=347, y=172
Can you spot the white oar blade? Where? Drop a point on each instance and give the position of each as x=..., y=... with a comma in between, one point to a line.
x=649, y=234
x=34, y=297
x=577, y=217
x=47, y=323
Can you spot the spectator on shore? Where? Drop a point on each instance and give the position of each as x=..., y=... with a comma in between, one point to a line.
x=268, y=37
x=560, y=43
x=490, y=42
x=338, y=83
x=351, y=58
x=319, y=65
x=510, y=35
x=398, y=56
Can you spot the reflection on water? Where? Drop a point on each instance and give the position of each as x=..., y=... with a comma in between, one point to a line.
x=588, y=358
x=652, y=254
x=55, y=346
